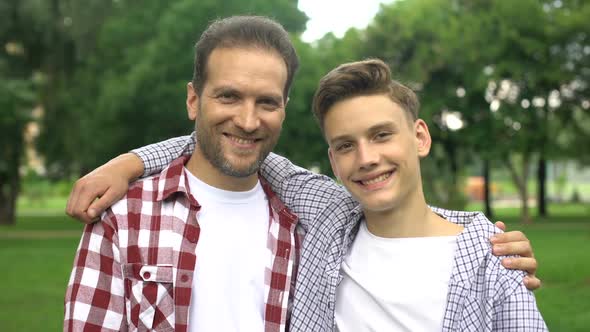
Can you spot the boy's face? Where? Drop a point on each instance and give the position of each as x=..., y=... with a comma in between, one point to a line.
x=375, y=150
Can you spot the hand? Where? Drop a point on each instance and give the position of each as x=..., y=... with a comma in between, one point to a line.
x=96, y=191
x=516, y=243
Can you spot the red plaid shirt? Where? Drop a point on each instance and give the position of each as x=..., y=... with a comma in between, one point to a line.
x=134, y=270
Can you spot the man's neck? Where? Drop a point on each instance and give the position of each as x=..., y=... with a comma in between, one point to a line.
x=413, y=218
x=202, y=169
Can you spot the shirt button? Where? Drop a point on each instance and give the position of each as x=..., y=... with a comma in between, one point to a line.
x=147, y=275
x=184, y=278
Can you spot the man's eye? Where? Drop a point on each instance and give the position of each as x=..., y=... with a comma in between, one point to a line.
x=269, y=104
x=227, y=97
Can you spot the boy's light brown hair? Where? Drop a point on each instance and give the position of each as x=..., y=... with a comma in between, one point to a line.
x=362, y=78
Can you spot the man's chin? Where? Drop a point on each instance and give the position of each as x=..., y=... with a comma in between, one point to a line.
x=240, y=170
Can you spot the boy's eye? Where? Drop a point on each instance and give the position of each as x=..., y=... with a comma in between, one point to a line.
x=344, y=147
x=382, y=135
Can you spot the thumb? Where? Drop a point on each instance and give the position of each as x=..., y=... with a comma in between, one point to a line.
x=501, y=225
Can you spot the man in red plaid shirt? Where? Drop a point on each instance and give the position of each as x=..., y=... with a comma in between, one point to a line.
x=180, y=244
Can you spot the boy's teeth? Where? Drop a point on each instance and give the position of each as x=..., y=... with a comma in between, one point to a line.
x=377, y=179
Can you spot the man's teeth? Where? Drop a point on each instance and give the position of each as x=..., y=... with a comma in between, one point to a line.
x=241, y=140
x=377, y=179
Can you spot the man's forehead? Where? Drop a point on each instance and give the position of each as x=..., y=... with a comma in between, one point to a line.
x=246, y=69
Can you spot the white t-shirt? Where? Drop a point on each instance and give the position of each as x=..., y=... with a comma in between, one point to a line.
x=228, y=292
x=394, y=284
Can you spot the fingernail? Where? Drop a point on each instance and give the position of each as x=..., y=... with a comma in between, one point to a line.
x=494, y=239
x=507, y=262
x=92, y=213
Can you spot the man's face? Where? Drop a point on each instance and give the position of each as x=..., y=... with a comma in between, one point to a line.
x=241, y=109
x=375, y=150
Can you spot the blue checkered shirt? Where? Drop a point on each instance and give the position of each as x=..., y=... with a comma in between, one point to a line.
x=482, y=295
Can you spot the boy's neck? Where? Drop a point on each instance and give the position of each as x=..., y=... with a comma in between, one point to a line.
x=412, y=219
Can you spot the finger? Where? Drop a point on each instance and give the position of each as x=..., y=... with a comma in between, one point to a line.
x=532, y=282
x=84, y=218
x=511, y=236
x=72, y=199
x=520, y=248
x=501, y=225
x=98, y=206
x=86, y=196
x=521, y=263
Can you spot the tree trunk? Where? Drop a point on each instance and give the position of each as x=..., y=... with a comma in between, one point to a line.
x=8, y=194
x=486, y=189
x=541, y=188
x=9, y=183
x=521, y=186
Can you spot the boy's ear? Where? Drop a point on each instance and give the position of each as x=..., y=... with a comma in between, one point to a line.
x=423, y=139
x=192, y=102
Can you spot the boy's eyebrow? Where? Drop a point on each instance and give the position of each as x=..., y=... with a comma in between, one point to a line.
x=389, y=125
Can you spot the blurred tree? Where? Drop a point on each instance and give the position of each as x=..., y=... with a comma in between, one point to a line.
x=301, y=139
x=482, y=74
x=419, y=41
x=38, y=56
x=130, y=90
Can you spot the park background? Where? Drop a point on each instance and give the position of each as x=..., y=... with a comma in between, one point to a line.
x=504, y=86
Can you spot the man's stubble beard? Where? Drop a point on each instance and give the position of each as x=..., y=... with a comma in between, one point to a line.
x=213, y=152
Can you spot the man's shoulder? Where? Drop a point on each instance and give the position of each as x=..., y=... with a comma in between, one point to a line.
x=140, y=191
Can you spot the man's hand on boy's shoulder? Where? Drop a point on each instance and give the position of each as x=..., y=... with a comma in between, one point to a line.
x=516, y=243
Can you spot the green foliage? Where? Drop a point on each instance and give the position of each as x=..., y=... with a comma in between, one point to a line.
x=130, y=90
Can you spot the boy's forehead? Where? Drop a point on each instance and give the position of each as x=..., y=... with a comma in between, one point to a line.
x=362, y=113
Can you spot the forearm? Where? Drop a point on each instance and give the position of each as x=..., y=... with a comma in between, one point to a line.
x=156, y=156
x=128, y=165
x=304, y=192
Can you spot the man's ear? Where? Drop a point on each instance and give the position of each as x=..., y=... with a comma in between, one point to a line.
x=192, y=101
x=423, y=139
x=333, y=163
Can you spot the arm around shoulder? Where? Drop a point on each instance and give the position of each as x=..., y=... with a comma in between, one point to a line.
x=302, y=191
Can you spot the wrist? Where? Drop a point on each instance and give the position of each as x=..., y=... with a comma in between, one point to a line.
x=129, y=165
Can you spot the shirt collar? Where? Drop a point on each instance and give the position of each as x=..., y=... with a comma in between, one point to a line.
x=173, y=179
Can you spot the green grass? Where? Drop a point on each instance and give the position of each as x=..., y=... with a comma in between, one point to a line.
x=34, y=281
x=37, y=267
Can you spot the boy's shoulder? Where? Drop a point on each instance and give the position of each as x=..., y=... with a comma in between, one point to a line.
x=475, y=264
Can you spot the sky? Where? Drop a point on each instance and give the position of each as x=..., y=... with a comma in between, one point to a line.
x=337, y=16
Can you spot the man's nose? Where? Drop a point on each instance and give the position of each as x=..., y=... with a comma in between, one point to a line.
x=247, y=119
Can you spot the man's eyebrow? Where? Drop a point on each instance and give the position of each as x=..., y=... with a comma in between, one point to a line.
x=224, y=88
x=274, y=97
